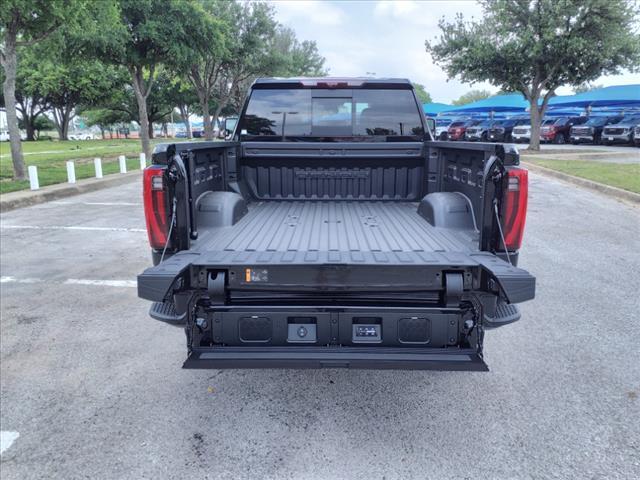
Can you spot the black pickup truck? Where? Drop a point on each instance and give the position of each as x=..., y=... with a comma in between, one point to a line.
x=332, y=231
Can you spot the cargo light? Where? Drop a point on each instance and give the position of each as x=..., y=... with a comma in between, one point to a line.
x=514, y=207
x=155, y=205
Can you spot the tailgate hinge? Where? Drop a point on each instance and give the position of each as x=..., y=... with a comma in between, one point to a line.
x=216, y=288
x=454, y=286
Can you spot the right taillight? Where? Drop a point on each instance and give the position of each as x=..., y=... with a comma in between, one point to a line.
x=514, y=206
x=155, y=205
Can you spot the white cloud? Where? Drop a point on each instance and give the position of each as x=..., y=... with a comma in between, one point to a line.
x=387, y=38
x=313, y=11
x=404, y=10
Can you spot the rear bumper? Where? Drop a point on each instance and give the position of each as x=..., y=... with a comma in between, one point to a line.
x=336, y=357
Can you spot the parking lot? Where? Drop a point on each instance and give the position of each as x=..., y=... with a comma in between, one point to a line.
x=94, y=388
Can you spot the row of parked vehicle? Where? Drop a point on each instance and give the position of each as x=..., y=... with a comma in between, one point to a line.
x=596, y=129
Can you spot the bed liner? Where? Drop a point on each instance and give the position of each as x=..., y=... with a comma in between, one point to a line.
x=362, y=232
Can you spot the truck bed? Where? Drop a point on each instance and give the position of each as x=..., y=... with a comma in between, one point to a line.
x=358, y=232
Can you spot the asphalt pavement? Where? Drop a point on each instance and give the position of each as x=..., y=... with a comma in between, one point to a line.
x=91, y=387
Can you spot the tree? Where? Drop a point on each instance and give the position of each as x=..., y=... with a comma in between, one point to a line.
x=30, y=103
x=66, y=78
x=422, y=94
x=182, y=96
x=586, y=87
x=105, y=119
x=472, y=96
x=297, y=58
x=237, y=48
x=536, y=46
x=40, y=123
x=142, y=34
x=24, y=23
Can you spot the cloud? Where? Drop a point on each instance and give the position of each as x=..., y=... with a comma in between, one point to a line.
x=410, y=11
x=313, y=11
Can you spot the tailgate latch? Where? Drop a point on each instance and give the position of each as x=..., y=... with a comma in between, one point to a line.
x=216, y=288
x=453, y=288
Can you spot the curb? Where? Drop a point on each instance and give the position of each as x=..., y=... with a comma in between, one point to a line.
x=583, y=182
x=25, y=198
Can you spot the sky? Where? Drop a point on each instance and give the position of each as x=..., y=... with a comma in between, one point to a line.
x=386, y=38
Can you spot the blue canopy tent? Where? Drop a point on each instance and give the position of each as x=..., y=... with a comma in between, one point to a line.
x=511, y=102
x=616, y=96
x=433, y=109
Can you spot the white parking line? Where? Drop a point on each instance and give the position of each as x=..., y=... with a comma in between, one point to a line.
x=102, y=283
x=106, y=204
x=59, y=227
x=73, y=281
x=7, y=439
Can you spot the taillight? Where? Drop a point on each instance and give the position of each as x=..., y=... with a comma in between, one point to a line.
x=514, y=207
x=155, y=205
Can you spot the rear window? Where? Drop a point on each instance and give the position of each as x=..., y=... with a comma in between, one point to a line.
x=324, y=115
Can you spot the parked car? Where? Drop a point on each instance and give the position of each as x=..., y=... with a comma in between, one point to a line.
x=591, y=131
x=621, y=132
x=442, y=126
x=479, y=132
x=270, y=255
x=197, y=133
x=81, y=136
x=501, y=131
x=458, y=129
x=4, y=136
x=558, y=132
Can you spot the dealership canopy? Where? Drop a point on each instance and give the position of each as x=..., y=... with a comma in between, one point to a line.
x=511, y=102
x=433, y=109
x=616, y=96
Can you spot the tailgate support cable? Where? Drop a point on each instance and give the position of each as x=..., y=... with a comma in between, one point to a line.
x=504, y=243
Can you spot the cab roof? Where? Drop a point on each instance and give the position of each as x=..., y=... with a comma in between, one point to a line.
x=332, y=82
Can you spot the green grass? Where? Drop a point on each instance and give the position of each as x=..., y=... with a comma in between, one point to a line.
x=51, y=156
x=56, y=172
x=621, y=175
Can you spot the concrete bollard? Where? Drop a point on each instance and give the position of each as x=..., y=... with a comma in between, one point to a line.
x=71, y=172
x=143, y=161
x=97, y=163
x=123, y=164
x=33, y=177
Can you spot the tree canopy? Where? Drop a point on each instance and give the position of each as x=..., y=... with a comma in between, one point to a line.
x=121, y=61
x=472, y=96
x=536, y=46
x=422, y=94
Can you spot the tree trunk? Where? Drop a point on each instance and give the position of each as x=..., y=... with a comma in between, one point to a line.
x=534, y=142
x=10, y=64
x=142, y=113
x=29, y=128
x=206, y=118
x=184, y=114
x=62, y=117
x=150, y=129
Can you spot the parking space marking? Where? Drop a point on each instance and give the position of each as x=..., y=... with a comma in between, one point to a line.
x=106, y=204
x=102, y=283
x=6, y=440
x=60, y=227
x=73, y=281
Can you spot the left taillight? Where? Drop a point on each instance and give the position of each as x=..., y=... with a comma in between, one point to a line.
x=514, y=207
x=156, y=212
